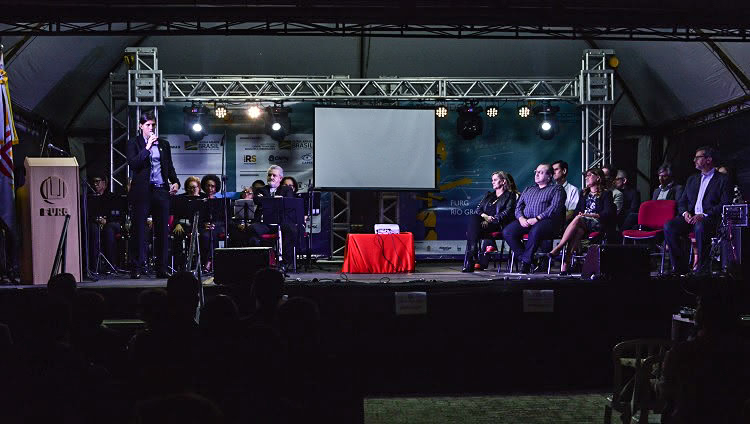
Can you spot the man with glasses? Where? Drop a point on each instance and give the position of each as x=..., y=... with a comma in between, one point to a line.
x=699, y=210
x=667, y=189
x=627, y=218
x=540, y=212
x=289, y=232
x=609, y=172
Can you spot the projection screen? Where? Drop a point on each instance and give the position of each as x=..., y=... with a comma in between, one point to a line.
x=374, y=149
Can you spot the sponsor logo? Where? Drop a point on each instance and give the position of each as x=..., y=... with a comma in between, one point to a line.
x=302, y=144
x=191, y=145
x=445, y=248
x=249, y=159
x=278, y=159
x=307, y=158
x=53, y=211
x=52, y=189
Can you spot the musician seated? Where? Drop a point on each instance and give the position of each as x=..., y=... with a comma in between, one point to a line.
x=290, y=182
x=289, y=232
x=183, y=218
x=104, y=222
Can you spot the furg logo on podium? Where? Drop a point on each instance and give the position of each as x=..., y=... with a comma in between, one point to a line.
x=52, y=189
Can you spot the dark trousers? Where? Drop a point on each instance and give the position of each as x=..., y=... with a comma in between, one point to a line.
x=144, y=201
x=209, y=240
x=102, y=240
x=543, y=230
x=675, y=233
x=475, y=232
x=289, y=234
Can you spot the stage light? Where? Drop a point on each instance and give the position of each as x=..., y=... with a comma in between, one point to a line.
x=441, y=111
x=547, y=120
x=469, y=123
x=493, y=111
x=220, y=112
x=613, y=62
x=194, y=122
x=278, y=123
x=254, y=112
x=524, y=111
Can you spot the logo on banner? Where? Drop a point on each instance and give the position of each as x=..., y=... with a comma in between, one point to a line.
x=191, y=145
x=278, y=159
x=52, y=189
x=307, y=158
x=249, y=159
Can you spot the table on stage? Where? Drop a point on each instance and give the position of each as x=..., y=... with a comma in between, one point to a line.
x=379, y=253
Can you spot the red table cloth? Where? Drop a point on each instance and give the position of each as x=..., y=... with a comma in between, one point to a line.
x=379, y=253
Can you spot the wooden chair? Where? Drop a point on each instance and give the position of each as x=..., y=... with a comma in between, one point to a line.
x=627, y=358
x=646, y=405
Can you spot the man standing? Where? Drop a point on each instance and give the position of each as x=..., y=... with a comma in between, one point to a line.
x=627, y=218
x=667, y=189
x=540, y=212
x=289, y=231
x=699, y=209
x=560, y=175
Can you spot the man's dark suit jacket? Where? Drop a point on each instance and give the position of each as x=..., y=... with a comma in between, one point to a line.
x=265, y=191
x=717, y=195
x=631, y=201
x=673, y=193
x=139, y=160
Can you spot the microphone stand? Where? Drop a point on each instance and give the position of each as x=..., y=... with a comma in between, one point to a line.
x=224, y=201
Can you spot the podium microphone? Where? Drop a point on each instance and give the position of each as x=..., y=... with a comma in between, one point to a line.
x=57, y=149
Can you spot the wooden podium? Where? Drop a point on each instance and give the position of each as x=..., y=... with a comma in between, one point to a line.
x=51, y=192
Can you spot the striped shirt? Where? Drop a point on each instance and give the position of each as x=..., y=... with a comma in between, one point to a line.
x=547, y=202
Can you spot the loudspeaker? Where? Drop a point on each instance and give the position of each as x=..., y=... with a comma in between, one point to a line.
x=733, y=246
x=237, y=265
x=616, y=261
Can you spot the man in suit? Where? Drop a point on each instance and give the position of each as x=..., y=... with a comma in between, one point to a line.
x=627, y=217
x=154, y=179
x=699, y=210
x=104, y=222
x=668, y=189
x=289, y=232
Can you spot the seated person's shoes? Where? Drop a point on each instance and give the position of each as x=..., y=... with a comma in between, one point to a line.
x=525, y=268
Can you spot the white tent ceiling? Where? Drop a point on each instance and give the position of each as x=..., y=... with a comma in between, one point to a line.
x=58, y=77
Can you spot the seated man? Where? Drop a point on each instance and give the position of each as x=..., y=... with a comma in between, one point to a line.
x=668, y=189
x=540, y=212
x=104, y=222
x=627, y=217
x=560, y=175
x=699, y=210
x=289, y=232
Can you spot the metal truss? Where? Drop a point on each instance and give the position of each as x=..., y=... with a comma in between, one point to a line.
x=119, y=131
x=341, y=218
x=298, y=27
x=596, y=98
x=251, y=88
x=388, y=208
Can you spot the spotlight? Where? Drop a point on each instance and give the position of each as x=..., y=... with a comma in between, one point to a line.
x=441, y=111
x=254, y=112
x=220, y=112
x=524, y=111
x=492, y=111
x=469, y=122
x=547, y=121
x=278, y=123
x=194, y=122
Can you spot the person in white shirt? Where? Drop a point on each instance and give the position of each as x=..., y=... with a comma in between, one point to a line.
x=560, y=175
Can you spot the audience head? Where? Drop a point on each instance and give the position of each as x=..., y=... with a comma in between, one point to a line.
x=560, y=171
x=595, y=178
x=192, y=186
x=89, y=309
x=152, y=306
x=299, y=322
x=211, y=184
x=267, y=289
x=258, y=184
x=621, y=180
x=705, y=158
x=716, y=314
x=62, y=287
x=183, y=291
x=291, y=182
x=609, y=173
x=219, y=313
x=665, y=175
x=543, y=174
x=502, y=179
x=275, y=174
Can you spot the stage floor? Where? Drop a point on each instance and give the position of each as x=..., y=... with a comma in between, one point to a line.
x=323, y=272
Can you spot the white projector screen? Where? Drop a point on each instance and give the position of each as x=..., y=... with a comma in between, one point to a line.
x=374, y=149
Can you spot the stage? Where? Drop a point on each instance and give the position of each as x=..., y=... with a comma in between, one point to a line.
x=457, y=332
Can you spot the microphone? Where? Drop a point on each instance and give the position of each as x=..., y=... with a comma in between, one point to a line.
x=57, y=149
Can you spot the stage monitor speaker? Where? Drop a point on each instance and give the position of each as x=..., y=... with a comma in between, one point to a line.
x=615, y=261
x=733, y=249
x=237, y=265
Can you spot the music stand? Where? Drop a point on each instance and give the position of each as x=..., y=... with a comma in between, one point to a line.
x=282, y=210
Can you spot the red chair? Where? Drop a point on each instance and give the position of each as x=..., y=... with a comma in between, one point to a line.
x=652, y=216
x=493, y=251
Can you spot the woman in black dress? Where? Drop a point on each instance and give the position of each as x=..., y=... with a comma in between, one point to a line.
x=493, y=212
x=596, y=212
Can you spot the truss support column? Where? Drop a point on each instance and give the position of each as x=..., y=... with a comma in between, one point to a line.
x=388, y=208
x=340, y=222
x=597, y=97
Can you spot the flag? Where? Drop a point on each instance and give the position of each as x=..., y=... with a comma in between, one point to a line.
x=8, y=139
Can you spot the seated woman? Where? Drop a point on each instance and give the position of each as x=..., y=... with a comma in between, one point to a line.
x=212, y=220
x=494, y=211
x=291, y=182
x=596, y=212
